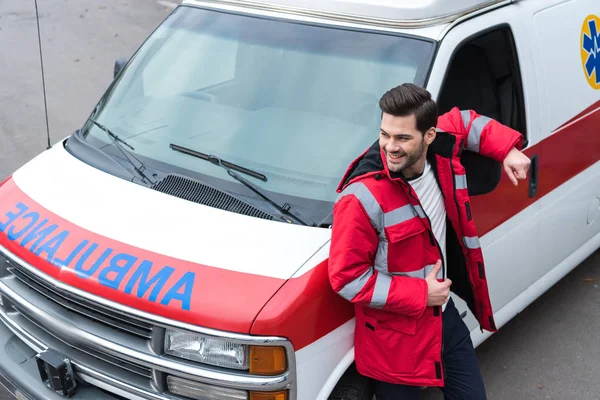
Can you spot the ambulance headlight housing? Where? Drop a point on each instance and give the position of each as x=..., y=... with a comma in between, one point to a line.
x=207, y=350
x=257, y=360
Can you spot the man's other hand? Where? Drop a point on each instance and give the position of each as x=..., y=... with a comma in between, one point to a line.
x=438, y=292
x=516, y=165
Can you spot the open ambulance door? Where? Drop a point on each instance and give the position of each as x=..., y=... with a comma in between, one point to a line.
x=484, y=64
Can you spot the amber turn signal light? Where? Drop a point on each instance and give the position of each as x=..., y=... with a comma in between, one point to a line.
x=283, y=395
x=267, y=360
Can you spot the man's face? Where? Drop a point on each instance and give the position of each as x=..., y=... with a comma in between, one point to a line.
x=403, y=144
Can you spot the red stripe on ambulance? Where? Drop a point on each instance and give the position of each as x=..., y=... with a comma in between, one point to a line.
x=138, y=278
x=569, y=150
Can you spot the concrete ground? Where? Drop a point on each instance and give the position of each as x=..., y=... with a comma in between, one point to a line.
x=550, y=351
x=81, y=39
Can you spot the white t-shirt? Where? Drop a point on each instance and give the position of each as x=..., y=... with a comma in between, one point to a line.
x=432, y=201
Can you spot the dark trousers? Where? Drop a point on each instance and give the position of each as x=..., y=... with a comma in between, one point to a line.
x=463, y=379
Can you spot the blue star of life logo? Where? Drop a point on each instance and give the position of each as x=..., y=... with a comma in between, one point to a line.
x=590, y=45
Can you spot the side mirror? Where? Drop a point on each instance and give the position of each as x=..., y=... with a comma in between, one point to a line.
x=119, y=65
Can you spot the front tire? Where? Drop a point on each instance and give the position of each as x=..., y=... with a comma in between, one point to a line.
x=353, y=386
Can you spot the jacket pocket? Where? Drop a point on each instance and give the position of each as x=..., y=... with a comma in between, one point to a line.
x=390, y=320
x=407, y=246
x=386, y=343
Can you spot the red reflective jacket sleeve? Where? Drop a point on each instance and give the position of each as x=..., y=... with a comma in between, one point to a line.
x=483, y=135
x=353, y=248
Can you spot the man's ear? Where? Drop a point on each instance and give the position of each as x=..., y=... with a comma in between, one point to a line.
x=430, y=135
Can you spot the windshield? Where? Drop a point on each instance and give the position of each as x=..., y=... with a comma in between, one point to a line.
x=294, y=102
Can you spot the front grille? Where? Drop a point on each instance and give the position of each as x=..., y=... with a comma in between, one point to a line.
x=93, y=311
x=136, y=368
x=198, y=192
x=123, y=364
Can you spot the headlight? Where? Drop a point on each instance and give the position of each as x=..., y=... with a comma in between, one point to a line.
x=258, y=360
x=217, y=352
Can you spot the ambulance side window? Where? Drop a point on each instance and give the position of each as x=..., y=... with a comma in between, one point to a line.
x=484, y=76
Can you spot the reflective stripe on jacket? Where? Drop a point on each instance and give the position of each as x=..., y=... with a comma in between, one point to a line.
x=382, y=248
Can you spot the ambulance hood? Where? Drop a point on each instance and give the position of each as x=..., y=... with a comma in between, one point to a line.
x=145, y=249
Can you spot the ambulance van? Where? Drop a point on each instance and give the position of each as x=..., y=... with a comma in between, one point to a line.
x=176, y=245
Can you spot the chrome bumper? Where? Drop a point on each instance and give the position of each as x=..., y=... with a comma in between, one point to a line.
x=107, y=359
x=19, y=374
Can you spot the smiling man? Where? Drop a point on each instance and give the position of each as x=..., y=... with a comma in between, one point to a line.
x=403, y=236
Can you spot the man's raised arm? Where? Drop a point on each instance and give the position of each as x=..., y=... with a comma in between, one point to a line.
x=489, y=138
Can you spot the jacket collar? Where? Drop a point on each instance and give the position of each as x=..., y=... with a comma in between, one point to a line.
x=372, y=161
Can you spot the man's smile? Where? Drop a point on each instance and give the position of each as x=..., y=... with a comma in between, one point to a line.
x=395, y=158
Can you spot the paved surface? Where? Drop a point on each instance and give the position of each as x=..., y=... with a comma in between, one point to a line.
x=550, y=351
x=81, y=39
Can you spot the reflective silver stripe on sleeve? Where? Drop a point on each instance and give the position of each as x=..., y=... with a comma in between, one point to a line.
x=466, y=117
x=471, y=242
x=399, y=215
x=381, y=290
x=353, y=288
x=460, y=181
x=474, y=140
x=381, y=258
x=368, y=201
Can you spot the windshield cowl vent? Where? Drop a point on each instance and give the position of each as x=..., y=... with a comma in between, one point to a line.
x=201, y=193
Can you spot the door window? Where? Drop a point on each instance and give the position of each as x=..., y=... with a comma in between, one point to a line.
x=484, y=76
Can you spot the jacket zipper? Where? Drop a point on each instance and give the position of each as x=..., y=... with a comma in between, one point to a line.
x=458, y=210
x=433, y=238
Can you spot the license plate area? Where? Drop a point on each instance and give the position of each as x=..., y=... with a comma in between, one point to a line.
x=56, y=372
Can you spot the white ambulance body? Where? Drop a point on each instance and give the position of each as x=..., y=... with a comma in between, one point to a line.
x=135, y=263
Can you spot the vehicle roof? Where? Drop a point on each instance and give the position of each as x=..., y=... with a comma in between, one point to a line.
x=391, y=13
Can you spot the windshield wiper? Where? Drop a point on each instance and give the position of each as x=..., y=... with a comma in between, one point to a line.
x=119, y=143
x=210, y=158
x=229, y=167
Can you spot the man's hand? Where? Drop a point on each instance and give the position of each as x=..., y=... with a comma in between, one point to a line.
x=438, y=292
x=516, y=165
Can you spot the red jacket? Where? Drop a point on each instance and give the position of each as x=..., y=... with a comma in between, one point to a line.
x=382, y=247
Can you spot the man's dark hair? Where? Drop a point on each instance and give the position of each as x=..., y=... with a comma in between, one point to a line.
x=408, y=99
